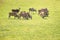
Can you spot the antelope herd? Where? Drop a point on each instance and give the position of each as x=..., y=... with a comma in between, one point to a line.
x=26, y=15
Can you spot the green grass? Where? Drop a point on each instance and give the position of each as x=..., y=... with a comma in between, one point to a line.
x=35, y=29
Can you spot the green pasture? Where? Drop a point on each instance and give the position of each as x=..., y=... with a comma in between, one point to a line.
x=35, y=29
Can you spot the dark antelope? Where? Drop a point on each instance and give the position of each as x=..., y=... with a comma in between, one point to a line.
x=43, y=12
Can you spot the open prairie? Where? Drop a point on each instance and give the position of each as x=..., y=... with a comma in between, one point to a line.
x=35, y=29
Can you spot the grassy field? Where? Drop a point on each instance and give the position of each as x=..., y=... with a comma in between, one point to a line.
x=35, y=29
